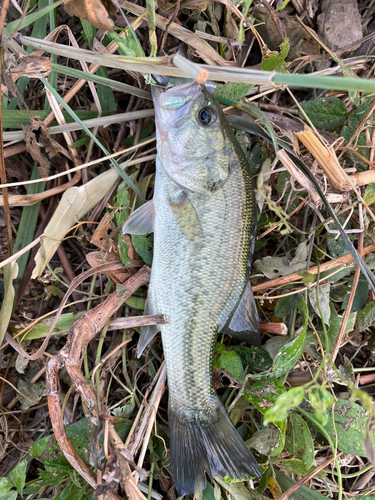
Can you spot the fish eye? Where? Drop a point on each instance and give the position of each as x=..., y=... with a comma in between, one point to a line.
x=206, y=116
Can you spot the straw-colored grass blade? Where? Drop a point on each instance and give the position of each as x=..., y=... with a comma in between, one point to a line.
x=326, y=158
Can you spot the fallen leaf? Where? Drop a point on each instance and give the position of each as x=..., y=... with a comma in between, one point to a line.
x=92, y=11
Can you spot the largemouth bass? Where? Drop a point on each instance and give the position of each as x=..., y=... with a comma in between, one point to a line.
x=203, y=218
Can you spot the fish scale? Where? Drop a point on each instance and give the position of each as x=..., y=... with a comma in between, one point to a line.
x=204, y=225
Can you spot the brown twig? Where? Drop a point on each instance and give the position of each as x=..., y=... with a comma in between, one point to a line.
x=84, y=330
x=357, y=274
x=273, y=328
x=309, y=476
x=132, y=321
x=171, y=20
x=78, y=280
x=339, y=262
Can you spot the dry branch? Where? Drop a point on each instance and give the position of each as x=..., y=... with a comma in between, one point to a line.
x=339, y=263
x=84, y=330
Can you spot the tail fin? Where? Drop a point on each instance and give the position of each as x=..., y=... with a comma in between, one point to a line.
x=207, y=441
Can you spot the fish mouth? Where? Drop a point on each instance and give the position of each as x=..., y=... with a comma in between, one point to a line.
x=173, y=98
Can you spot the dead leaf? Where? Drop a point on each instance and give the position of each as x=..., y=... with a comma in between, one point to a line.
x=92, y=11
x=230, y=26
x=40, y=146
x=104, y=234
x=31, y=394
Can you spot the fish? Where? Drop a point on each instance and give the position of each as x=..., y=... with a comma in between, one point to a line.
x=203, y=217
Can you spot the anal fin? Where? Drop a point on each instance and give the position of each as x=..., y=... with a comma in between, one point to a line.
x=243, y=323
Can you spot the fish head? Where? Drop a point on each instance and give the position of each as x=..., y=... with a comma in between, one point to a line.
x=193, y=137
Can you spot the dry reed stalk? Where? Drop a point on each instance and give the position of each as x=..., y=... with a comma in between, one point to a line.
x=340, y=263
x=363, y=178
x=200, y=75
x=327, y=159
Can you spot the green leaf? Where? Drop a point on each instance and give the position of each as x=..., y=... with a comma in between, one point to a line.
x=324, y=302
x=286, y=401
x=339, y=292
x=320, y=400
x=357, y=114
x=229, y=361
x=366, y=317
x=282, y=6
x=105, y=94
x=337, y=247
x=369, y=194
x=209, y=493
x=254, y=358
x=334, y=328
x=285, y=306
x=128, y=46
x=347, y=132
x=290, y=353
x=294, y=466
x=89, y=32
x=238, y=491
x=232, y=91
x=63, y=325
x=263, y=394
x=121, y=215
x=136, y=302
x=298, y=439
x=39, y=446
x=326, y=113
x=350, y=422
x=18, y=476
x=266, y=440
x=26, y=227
x=11, y=495
x=143, y=247
x=272, y=61
x=360, y=296
x=10, y=274
x=5, y=485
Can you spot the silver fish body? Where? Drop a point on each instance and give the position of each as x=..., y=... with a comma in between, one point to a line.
x=203, y=217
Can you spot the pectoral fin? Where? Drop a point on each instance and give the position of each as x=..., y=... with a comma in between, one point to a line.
x=141, y=220
x=187, y=219
x=243, y=324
